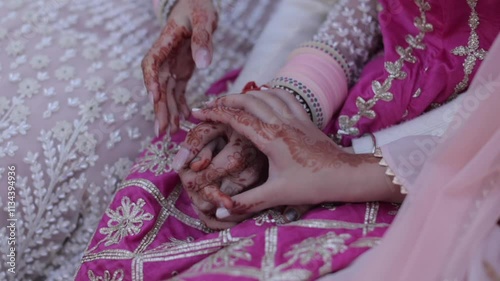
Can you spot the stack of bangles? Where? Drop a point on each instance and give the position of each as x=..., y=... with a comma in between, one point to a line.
x=252, y=86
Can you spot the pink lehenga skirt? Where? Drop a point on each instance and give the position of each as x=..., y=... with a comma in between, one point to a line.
x=151, y=232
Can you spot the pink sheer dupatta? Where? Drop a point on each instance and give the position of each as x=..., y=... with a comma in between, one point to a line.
x=447, y=227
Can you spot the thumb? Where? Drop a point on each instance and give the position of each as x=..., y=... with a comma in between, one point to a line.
x=201, y=45
x=251, y=201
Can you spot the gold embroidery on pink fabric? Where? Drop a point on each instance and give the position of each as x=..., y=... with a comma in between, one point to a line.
x=471, y=52
x=117, y=276
x=382, y=90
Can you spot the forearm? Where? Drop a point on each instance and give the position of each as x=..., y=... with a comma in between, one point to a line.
x=361, y=179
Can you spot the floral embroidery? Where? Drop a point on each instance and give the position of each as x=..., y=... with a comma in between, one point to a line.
x=39, y=61
x=65, y=72
x=349, y=33
x=117, y=276
x=69, y=179
x=86, y=143
x=269, y=216
x=94, y=84
x=227, y=256
x=124, y=221
x=158, y=157
x=28, y=87
x=90, y=110
x=62, y=130
x=324, y=246
x=394, y=69
x=471, y=52
x=121, y=95
x=15, y=48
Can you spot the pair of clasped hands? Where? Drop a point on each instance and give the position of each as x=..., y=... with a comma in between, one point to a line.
x=251, y=151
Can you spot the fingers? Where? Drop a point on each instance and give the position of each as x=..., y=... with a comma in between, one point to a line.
x=214, y=195
x=180, y=91
x=196, y=139
x=246, y=179
x=230, y=187
x=293, y=213
x=251, y=201
x=203, y=159
x=297, y=110
x=203, y=24
x=240, y=121
x=200, y=203
x=211, y=222
x=253, y=103
x=157, y=56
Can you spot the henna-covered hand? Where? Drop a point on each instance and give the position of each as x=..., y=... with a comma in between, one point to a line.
x=185, y=40
x=305, y=166
x=226, y=164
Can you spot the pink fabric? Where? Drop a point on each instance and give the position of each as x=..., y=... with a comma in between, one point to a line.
x=453, y=205
x=151, y=232
x=436, y=71
x=322, y=74
x=222, y=85
x=250, y=251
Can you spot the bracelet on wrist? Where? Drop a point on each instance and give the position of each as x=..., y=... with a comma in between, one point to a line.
x=252, y=86
x=304, y=95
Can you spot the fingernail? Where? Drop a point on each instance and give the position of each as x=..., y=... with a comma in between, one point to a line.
x=291, y=215
x=222, y=213
x=201, y=58
x=180, y=159
x=157, y=128
x=194, y=109
x=196, y=159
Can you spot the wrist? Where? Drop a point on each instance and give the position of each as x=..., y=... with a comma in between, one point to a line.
x=360, y=179
x=318, y=79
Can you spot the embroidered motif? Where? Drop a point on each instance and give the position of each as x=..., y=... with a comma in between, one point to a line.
x=351, y=31
x=270, y=216
x=325, y=247
x=370, y=217
x=117, y=276
x=125, y=220
x=471, y=52
x=227, y=256
x=158, y=157
x=366, y=242
x=382, y=90
x=67, y=178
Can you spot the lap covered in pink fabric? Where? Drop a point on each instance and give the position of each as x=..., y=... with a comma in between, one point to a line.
x=151, y=232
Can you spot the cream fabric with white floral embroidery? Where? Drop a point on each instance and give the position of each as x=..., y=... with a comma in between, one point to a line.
x=74, y=114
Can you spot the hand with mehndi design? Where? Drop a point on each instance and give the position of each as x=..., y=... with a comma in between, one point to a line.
x=185, y=40
x=226, y=164
x=305, y=166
